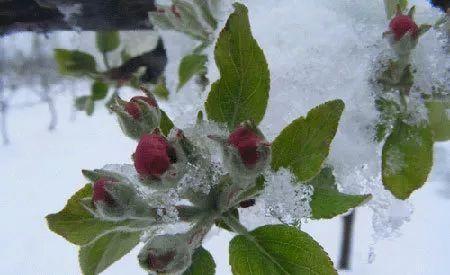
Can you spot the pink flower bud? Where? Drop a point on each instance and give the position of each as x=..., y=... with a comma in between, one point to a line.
x=100, y=194
x=132, y=107
x=401, y=24
x=166, y=254
x=153, y=156
x=246, y=141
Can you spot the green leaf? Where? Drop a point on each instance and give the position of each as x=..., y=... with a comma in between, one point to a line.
x=107, y=41
x=99, y=255
x=74, y=62
x=389, y=112
x=391, y=6
x=407, y=158
x=76, y=224
x=439, y=119
x=278, y=249
x=85, y=103
x=99, y=90
x=199, y=117
x=89, y=108
x=166, y=124
x=304, y=145
x=161, y=91
x=80, y=102
x=242, y=91
x=202, y=263
x=190, y=21
x=326, y=201
x=423, y=28
x=206, y=13
x=190, y=65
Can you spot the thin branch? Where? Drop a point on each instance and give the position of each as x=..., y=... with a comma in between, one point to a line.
x=53, y=114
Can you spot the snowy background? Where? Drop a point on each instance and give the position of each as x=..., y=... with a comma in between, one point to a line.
x=317, y=50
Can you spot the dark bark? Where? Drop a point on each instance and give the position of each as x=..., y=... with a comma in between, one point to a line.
x=154, y=62
x=346, y=244
x=94, y=15
x=444, y=5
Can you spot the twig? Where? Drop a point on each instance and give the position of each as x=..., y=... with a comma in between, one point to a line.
x=346, y=244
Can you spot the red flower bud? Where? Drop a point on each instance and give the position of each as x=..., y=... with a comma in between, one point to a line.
x=153, y=156
x=100, y=193
x=401, y=24
x=247, y=142
x=159, y=263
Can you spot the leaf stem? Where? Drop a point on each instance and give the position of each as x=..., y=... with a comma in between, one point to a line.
x=234, y=224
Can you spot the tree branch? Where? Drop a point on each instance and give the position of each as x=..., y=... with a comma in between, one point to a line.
x=86, y=15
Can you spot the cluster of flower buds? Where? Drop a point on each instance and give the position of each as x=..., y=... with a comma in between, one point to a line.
x=246, y=153
x=138, y=116
x=403, y=33
x=161, y=161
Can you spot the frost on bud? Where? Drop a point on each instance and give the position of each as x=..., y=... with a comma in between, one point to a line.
x=245, y=152
x=138, y=116
x=114, y=197
x=114, y=200
x=158, y=160
x=166, y=254
x=403, y=33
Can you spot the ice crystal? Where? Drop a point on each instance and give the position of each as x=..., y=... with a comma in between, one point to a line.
x=285, y=198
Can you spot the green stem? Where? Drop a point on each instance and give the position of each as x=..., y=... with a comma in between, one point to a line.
x=234, y=224
x=403, y=62
x=403, y=100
